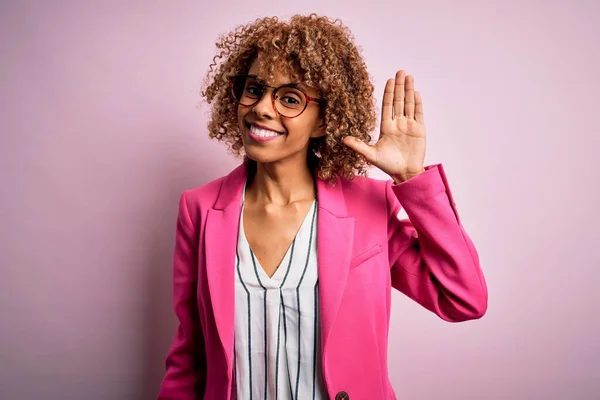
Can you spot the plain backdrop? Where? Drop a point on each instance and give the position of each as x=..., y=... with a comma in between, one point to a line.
x=102, y=127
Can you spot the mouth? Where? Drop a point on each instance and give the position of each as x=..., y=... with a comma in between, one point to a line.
x=261, y=133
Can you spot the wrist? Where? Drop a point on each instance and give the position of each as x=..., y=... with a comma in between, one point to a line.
x=400, y=178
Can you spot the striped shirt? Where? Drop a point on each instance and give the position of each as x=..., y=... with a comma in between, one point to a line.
x=277, y=335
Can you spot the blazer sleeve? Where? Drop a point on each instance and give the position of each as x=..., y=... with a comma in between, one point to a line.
x=185, y=376
x=433, y=261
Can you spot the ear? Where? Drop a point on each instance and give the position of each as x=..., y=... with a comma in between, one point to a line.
x=320, y=132
x=320, y=129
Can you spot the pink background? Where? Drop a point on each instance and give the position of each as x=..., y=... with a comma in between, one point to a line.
x=101, y=132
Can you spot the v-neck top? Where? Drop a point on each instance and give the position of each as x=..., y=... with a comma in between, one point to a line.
x=277, y=333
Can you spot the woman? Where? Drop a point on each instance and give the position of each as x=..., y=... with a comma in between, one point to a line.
x=283, y=268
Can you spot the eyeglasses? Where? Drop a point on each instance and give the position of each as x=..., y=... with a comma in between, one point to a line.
x=288, y=100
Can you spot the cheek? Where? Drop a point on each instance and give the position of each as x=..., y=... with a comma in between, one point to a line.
x=240, y=115
x=298, y=133
x=296, y=127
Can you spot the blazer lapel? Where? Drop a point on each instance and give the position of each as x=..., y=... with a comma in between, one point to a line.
x=221, y=235
x=335, y=233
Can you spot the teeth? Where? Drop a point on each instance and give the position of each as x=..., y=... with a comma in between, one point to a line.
x=262, y=132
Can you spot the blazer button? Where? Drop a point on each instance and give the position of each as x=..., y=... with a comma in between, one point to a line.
x=342, y=396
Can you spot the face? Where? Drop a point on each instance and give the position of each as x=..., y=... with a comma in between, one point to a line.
x=269, y=137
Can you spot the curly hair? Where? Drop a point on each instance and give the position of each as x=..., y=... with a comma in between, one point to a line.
x=321, y=53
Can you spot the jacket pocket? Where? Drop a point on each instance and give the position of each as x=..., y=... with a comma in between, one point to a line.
x=365, y=255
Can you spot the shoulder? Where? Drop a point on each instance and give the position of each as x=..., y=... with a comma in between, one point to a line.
x=198, y=200
x=363, y=192
x=364, y=183
x=205, y=194
x=361, y=186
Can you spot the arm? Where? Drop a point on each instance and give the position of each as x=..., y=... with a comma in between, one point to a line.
x=433, y=260
x=186, y=360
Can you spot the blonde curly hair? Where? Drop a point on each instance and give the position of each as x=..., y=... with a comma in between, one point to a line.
x=319, y=52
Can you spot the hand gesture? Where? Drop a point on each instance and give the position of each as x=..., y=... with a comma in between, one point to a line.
x=400, y=150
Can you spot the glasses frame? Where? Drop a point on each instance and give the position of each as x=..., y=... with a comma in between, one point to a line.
x=309, y=98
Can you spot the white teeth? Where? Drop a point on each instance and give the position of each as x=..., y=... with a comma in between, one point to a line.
x=262, y=132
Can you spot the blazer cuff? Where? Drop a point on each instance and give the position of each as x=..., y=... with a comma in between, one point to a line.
x=422, y=188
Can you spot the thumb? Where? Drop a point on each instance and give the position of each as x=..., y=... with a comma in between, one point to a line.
x=360, y=147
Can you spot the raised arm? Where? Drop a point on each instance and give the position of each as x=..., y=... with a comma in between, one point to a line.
x=433, y=260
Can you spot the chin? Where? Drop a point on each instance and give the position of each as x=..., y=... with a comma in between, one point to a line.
x=260, y=156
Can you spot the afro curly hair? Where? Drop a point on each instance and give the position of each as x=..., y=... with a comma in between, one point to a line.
x=316, y=50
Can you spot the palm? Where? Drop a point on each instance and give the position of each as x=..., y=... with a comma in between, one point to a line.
x=401, y=146
x=400, y=150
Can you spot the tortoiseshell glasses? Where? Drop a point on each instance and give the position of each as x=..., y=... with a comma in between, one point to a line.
x=288, y=100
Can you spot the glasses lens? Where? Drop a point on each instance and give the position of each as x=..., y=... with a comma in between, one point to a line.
x=246, y=90
x=290, y=102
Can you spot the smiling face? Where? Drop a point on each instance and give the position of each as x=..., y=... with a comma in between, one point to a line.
x=269, y=137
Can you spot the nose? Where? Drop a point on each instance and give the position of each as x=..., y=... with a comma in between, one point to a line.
x=264, y=107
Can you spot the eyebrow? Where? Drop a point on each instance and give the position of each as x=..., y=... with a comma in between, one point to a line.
x=297, y=84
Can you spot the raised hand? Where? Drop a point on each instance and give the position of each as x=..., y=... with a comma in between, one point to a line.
x=400, y=149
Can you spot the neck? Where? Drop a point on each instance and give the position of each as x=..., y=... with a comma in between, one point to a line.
x=281, y=183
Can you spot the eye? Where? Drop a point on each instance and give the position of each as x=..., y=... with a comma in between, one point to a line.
x=254, y=90
x=290, y=100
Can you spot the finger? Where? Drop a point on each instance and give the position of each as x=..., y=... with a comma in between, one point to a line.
x=361, y=147
x=409, y=101
x=388, y=101
x=399, y=94
x=419, y=108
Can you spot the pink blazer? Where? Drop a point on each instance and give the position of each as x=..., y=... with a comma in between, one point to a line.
x=364, y=249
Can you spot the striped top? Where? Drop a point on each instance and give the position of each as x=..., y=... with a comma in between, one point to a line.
x=277, y=335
